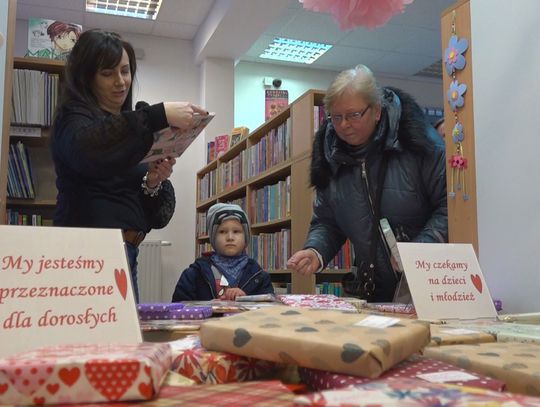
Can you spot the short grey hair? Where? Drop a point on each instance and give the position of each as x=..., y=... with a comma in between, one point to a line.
x=358, y=80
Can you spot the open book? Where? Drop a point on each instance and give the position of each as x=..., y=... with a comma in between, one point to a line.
x=172, y=141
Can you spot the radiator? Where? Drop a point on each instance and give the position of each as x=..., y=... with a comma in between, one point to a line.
x=150, y=270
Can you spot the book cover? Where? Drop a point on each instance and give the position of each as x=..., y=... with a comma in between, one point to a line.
x=51, y=39
x=211, y=151
x=221, y=144
x=275, y=101
x=172, y=141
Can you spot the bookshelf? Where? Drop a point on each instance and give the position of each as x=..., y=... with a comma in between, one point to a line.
x=38, y=149
x=275, y=194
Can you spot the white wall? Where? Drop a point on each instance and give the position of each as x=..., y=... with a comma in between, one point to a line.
x=507, y=123
x=249, y=89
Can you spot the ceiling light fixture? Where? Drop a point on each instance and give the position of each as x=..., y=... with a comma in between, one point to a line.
x=145, y=9
x=287, y=49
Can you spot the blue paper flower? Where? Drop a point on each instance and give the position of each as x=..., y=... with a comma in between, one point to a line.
x=457, y=133
x=453, y=55
x=455, y=94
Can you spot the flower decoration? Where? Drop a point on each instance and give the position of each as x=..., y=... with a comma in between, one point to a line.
x=457, y=133
x=453, y=55
x=459, y=162
x=455, y=94
x=353, y=13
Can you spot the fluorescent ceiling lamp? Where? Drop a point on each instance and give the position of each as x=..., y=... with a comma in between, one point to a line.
x=286, y=49
x=145, y=9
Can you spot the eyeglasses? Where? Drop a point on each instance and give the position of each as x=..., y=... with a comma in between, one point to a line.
x=352, y=117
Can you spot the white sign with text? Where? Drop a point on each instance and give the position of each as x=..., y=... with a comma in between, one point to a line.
x=64, y=285
x=446, y=281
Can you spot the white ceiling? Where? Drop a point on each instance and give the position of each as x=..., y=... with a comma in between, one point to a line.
x=407, y=44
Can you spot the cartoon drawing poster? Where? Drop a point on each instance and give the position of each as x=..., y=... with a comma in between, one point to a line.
x=51, y=39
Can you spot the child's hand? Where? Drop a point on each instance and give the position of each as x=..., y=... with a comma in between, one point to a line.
x=231, y=294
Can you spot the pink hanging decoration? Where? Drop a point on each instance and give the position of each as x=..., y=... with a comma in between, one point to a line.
x=354, y=13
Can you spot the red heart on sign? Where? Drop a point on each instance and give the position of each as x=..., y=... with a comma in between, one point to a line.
x=3, y=388
x=477, y=282
x=121, y=281
x=111, y=378
x=69, y=376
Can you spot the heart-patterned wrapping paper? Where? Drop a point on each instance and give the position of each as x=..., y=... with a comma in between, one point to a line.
x=84, y=373
x=516, y=364
x=320, y=339
x=443, y=335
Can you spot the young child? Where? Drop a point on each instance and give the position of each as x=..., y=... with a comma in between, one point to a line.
x=227, y=272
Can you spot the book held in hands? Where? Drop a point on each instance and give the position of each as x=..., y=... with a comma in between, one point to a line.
x=173, y=141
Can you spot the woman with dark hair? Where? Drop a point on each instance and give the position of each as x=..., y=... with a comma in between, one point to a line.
x=376, y=159
x=98, y=141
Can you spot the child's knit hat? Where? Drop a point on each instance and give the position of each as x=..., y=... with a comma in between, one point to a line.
x=222, y=211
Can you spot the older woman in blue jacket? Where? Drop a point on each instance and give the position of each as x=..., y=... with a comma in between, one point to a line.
x=377, y=157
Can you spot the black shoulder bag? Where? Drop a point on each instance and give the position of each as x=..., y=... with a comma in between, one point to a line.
x=360, y=282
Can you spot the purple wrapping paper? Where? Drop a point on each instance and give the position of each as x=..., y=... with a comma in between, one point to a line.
x=189, y=313
x=157, y=310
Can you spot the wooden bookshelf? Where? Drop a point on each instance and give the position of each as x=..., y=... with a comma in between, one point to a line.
x=38, y=148
x=298, y=119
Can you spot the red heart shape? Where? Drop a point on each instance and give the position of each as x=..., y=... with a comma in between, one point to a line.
x=3, y=388
x=121, y=281
x=53, y=388
x=69, y=376
x=39, y=401
x=112, y=378
x=477, y=282
x=146, y=390
x=148, y=370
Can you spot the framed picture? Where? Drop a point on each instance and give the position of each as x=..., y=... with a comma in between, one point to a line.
x=237, y=134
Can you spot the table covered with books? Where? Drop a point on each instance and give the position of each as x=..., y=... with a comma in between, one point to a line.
x=294, y=350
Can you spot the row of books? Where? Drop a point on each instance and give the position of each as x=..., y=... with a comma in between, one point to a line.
x=271, y=202
x=272, y=149
x=329, y=288
x=34, y=97
x=319, y=116
x=20, y=178
x=271, y=250
x=344, y=259
x=17, y=218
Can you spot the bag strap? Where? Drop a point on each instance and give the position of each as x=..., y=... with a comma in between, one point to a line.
x=369, y=282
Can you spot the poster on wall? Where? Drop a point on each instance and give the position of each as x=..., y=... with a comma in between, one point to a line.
x=51, y=39
x=275, y=101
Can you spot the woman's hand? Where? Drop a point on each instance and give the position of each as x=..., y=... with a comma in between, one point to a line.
x=159, y=171
x=304, y=262
x=230, y=294
x=180, y=114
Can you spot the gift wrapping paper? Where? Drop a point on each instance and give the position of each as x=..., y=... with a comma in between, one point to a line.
x=203, y=366
x=157, y=310
x=393, y=308
x=84, y=373
x=321, y=339
x=508, y=331
x=320, y=380
x=442, y=335
x=322, y=301
x=413, y=392
x=516, y=364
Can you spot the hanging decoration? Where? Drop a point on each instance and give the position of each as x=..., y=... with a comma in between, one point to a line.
x=455, y=61
x=358, y=13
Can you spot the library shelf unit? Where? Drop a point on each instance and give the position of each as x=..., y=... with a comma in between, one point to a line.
x=231, y=178
x=39, y=151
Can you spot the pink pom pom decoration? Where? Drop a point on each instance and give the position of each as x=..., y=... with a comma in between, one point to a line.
x=354, y=13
